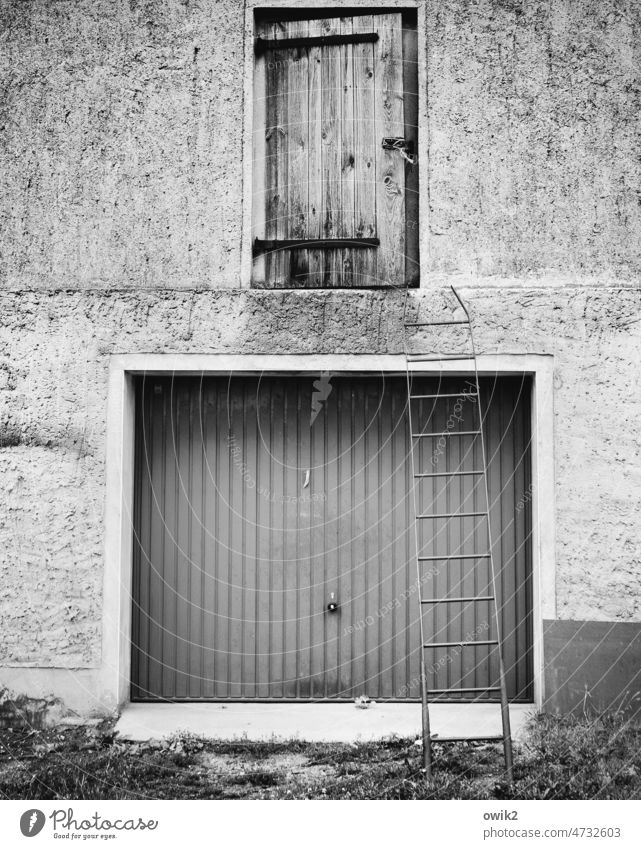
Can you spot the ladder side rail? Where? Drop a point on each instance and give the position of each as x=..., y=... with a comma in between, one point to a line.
x=505, y=710
x=425, y=714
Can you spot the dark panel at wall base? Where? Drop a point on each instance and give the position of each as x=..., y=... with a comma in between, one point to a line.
x=594, y=666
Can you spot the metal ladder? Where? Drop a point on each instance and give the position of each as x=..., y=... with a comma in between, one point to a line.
x=416, y=434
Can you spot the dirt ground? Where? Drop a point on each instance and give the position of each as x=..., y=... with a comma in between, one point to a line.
x=562, y=758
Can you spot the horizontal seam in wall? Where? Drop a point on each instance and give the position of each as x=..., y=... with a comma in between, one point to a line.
x=236, y=290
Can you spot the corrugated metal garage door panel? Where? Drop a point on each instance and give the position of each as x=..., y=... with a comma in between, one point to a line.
x=235, y=555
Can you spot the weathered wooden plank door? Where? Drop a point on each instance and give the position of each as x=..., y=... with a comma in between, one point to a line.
x=328, y=92
x=256, y=498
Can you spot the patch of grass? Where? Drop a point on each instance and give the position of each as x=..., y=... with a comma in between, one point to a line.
x=114, y=774
x=358, y=752
x=257, y=749
x=565, y=758
x=562, y=758
x=257, y=778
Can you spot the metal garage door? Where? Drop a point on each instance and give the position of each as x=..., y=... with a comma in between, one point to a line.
x=259, y=497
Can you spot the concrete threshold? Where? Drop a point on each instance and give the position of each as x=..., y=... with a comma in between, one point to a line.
x=314, y=722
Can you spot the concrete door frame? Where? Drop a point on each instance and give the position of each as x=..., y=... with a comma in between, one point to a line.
x=118, y=545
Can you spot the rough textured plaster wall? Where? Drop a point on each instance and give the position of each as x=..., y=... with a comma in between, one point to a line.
x=51, y=575
x=535, y=136
x=120, y=140
x=54, y=411
x=121, y=168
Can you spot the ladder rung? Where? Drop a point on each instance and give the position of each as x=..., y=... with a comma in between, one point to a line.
x=445, y=474
x=463, y=643
x=449, y=515
x=468, y=690
x=423, y=358
x=486, y=738
x=434, y=323
x=459, y=598
x=448, y=433
x=448, y=395
x=453, y=556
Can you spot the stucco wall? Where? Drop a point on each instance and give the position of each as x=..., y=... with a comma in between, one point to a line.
x=123, y=140
x=53, y=425
x=120, y=231
x=535, y=136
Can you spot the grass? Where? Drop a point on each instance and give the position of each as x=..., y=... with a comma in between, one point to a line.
x=562, y=758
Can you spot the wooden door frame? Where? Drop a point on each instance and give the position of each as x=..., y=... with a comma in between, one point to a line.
x=119, y=492
x=251, y=118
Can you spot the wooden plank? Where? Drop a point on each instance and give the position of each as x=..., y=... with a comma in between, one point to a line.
x=277, y=264
x=365, y=184
x=261, y=166
x=297, y=134
x=331, y=115
x=264, y=245
x=346, y=52
x=390, y=121
x=316, y=257
x=263, y=44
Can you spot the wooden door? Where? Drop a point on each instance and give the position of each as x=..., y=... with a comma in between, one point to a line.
x=335, y=141
x=256, y=498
